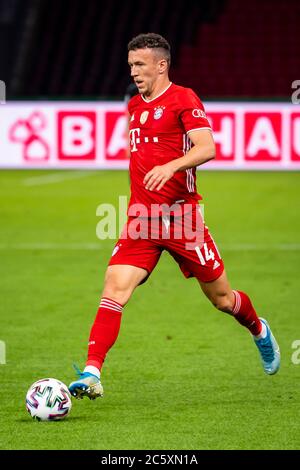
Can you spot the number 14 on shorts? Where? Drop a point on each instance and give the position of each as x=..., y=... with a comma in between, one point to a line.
x=205, y=255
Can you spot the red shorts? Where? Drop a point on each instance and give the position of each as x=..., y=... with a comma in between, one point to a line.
x=188, y=242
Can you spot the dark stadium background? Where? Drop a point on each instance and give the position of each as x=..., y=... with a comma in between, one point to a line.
x=221, y=48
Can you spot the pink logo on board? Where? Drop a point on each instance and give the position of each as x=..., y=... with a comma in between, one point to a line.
x=27, y=132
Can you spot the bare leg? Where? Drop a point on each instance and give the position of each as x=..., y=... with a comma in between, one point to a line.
x=219, y=293
x=121, y=280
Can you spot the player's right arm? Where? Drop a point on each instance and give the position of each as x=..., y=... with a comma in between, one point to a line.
x=202, y=151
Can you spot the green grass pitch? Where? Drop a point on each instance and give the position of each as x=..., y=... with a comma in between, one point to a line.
x=182, y=375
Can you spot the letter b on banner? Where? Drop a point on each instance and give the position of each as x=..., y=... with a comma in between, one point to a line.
x=76, y=135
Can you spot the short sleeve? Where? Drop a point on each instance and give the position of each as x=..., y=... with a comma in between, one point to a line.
x=192, y=112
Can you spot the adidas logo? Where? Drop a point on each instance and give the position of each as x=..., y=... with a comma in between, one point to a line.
x=216, y=264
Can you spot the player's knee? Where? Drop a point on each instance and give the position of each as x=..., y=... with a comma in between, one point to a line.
x=117, y=291
x=118, y=294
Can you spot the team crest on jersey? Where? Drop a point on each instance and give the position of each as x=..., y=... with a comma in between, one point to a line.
x=144, y=117
x=158, y=112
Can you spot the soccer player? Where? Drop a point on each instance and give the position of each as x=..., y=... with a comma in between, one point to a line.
x=169, y=137
x=131, y=91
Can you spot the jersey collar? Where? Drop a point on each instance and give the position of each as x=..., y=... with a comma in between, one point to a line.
x=164, y=91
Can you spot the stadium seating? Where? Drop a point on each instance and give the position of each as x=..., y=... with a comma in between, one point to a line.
x=250, y=50
x=221, y=48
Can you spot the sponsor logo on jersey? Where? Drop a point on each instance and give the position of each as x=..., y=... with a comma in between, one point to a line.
x=158, y=112
x=134, y=135
x=197, y=113
x=144, y=117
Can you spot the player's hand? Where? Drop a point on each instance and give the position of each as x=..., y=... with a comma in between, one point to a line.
x=158, y=176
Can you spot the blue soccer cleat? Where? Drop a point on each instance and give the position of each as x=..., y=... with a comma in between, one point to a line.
x=88, y=385
x=269, y=351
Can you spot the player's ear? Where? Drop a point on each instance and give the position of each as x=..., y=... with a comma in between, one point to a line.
x=162, y=66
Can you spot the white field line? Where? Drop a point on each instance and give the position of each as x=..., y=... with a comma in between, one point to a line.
x=97, y=246
x=52, y=246
x=55, y=178
x=261, y=247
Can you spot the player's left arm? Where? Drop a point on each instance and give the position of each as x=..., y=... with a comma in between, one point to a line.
x=202, y=151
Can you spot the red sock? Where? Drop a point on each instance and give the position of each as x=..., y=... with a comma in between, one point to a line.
x=245, y=314
x=104, y=331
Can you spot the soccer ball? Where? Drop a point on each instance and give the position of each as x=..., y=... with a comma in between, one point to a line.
x=48, y=400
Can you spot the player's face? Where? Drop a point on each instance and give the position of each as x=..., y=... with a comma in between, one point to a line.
x=145, y=68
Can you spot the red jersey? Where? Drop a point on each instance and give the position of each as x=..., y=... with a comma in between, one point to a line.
x=158, y=133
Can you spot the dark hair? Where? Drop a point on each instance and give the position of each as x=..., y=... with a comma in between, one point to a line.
x=151, y=41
